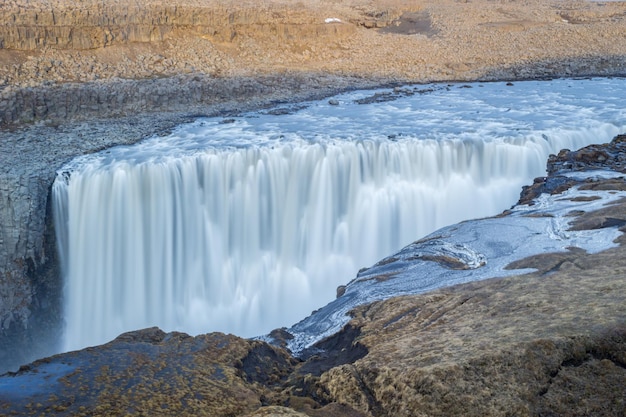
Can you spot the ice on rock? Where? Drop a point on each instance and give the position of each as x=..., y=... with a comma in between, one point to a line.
x=469, y=251
x=446, y=254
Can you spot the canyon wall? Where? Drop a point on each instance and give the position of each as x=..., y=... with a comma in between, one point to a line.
x=91, y=25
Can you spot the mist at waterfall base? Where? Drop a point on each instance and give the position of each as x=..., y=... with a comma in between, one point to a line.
x=247, y=224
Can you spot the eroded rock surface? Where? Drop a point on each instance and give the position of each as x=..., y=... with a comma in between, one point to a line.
x=593, y=157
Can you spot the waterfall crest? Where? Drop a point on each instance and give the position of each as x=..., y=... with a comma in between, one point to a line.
x=247, y=239
x=237, y=240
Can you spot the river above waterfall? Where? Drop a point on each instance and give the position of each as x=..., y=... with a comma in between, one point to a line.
x=246, y=223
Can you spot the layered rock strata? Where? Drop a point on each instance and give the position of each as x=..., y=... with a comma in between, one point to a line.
x=548, y=342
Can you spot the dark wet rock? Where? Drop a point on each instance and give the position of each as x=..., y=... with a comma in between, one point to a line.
x=280, y=337
x=338, y=349
x=610, y=156
x=152, y=335
x=591, y=157
x=281, y=111
x=266, y=364
x=377, y=98
x=554, y=184
x=341, y=290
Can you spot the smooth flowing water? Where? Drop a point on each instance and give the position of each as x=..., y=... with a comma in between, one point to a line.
x=249, y=223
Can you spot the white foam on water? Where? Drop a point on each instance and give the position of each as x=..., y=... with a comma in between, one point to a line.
x=249, y=223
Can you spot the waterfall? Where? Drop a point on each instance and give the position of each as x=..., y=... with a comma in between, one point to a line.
x=244, y=239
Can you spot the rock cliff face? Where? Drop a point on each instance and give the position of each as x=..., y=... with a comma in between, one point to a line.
x=30, y=290
x=93, y=24
x=548, y=342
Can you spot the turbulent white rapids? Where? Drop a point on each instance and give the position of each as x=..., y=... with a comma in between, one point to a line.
x=247, y=224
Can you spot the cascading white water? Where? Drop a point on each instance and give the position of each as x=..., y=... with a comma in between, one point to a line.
x=249, y=238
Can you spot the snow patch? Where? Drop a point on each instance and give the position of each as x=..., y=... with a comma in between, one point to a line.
x=593, y=175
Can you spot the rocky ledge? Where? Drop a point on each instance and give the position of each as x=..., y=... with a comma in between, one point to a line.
x=548, y=340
